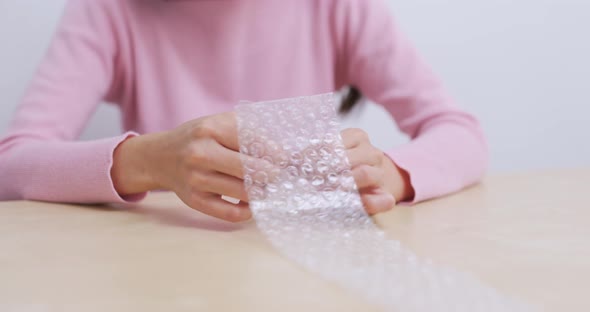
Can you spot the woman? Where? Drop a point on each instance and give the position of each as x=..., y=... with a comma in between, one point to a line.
x=175, y=68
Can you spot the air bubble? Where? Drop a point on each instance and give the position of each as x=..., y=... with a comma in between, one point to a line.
x=307, y=169
x=317, y=181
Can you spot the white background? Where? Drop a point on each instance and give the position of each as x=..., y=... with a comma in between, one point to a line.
x=523, y=67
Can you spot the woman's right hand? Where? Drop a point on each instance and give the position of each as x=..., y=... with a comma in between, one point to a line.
x=199, y=161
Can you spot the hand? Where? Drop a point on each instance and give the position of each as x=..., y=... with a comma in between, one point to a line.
x=199, y=161
x=379, y=180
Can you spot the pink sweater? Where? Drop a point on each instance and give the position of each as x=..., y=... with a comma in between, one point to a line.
x=165, y=62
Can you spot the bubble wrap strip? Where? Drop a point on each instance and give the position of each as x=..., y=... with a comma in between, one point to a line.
x=304, y=199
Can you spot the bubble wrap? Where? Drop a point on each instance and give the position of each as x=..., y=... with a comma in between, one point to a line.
x=305, y=201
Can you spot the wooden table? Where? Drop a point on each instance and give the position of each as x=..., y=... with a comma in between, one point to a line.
x=528, y=235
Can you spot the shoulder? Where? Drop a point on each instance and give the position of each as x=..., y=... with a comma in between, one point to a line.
x=361, y=15
x=94, y=10
x=99, y=5
x=94, y=14
x=362, y=8
x=354, y=18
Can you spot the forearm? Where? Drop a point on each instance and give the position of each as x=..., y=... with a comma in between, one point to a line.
x=59, y=171
x=443, y=159
x=133, y=165
x=401, y=189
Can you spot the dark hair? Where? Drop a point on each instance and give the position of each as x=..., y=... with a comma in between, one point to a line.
x=352, y=98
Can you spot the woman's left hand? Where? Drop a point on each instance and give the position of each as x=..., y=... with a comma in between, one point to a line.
x=380, y=181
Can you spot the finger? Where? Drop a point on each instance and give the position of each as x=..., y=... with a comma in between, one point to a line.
x=226, y=161
x=377, y=200
x=237, y=165
x=367, y=176
x=353, y=137
x=364, y=156
x=226, y=133
x=223, y=184
x=213, y=205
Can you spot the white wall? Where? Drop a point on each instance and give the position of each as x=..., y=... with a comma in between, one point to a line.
x=521, y=66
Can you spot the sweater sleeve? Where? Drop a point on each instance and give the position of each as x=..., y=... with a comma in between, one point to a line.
x=39, y=159
x=448, y=150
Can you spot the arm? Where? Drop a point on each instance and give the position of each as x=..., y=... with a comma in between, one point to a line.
x=448, y=151
x=38, y=159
